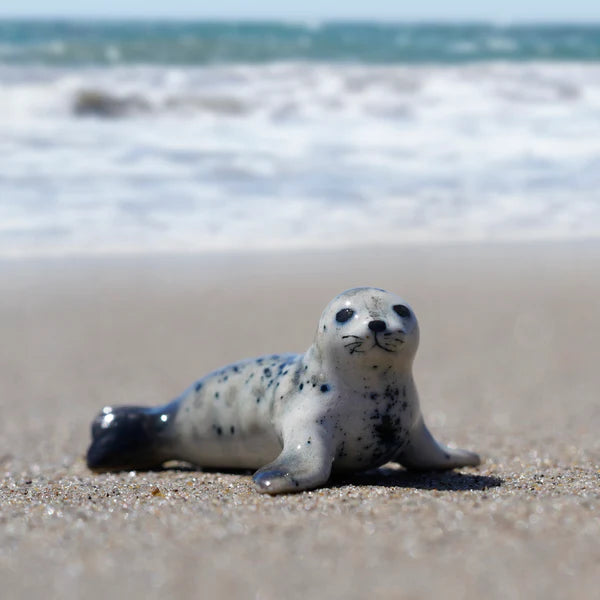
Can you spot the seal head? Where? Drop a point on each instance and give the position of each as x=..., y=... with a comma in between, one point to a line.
x=366, y=324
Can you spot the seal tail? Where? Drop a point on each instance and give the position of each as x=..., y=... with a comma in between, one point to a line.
x=131, y=437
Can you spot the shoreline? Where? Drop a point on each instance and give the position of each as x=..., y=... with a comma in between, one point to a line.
x=301, y=258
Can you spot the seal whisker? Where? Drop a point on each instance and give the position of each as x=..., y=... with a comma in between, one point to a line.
x=354, y=347
x=376, y=344
x=356, y=350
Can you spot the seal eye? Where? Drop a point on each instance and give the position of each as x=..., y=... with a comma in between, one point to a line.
x=344, y=315
x=401, y=310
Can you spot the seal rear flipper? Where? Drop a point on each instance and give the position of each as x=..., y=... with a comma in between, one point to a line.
x=130, y=437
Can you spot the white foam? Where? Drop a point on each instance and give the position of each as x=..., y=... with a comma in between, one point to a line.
x=296, y=155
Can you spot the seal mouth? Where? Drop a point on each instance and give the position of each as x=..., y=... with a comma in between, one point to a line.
x=390, y=344
x=376, y=344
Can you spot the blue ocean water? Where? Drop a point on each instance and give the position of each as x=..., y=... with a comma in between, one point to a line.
x=149, y=136
x=200, y=43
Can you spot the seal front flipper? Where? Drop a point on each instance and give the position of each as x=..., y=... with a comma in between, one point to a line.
x=304, y=463
x=424, y=453
x=131, y=437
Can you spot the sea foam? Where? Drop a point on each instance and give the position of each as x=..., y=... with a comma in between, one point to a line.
x=295, y=155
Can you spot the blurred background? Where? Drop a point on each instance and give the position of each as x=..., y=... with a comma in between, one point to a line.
x=137, y=127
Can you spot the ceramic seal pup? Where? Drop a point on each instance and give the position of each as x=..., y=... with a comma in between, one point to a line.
x=349, y=403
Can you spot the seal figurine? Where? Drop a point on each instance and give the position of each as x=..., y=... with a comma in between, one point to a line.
x=348, y=404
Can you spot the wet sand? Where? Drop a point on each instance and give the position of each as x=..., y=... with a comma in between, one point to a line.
x=509, y=365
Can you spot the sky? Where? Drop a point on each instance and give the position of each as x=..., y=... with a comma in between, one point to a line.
x=504, y=11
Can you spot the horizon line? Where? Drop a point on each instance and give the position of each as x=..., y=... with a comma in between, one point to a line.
x=584, y=22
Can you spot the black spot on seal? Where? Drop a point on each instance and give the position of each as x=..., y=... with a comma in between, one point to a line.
x=386, y=432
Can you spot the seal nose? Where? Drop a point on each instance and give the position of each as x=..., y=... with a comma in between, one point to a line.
x=377, y=326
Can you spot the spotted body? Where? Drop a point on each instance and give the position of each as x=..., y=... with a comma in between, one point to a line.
x=348, y=403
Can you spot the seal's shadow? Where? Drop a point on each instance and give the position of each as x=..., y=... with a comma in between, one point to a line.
x=453, y=481
x=428, y=480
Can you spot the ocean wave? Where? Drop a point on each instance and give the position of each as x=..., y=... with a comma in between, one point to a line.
x=296, y=155
x=293, y=91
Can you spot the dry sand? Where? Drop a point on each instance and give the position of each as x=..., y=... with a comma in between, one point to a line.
x=509, y=365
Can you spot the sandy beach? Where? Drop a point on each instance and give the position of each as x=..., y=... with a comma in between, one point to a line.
x=508, y=366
